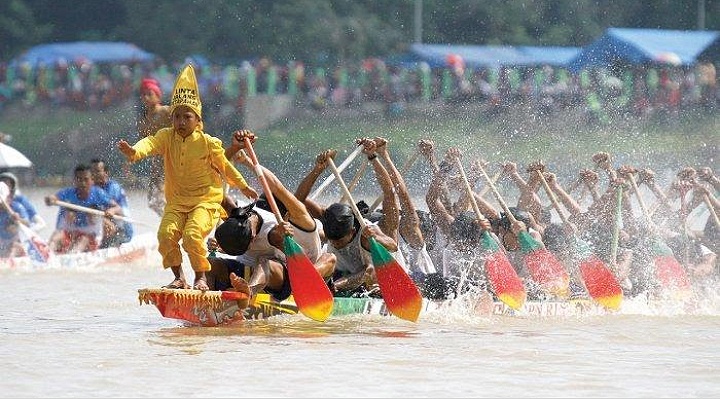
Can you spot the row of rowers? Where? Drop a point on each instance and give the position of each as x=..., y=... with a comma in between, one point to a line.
x=441, y=247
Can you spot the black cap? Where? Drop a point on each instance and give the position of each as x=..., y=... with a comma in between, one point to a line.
x=465, y=227
x=235, y=233
x=338, y=221
x=519, y=214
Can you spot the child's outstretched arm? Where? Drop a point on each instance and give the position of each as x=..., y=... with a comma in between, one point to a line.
x=126, y=149
x=150, y=145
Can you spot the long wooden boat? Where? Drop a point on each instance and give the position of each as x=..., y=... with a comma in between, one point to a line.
x=216, y=308
x=139, y=248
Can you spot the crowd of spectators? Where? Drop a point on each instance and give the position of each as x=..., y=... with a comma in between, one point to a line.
x=602, y=93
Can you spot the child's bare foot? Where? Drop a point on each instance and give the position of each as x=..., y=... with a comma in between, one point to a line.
x=201, y=283
x=177, y=284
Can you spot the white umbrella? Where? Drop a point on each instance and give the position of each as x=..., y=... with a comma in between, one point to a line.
x=12, y=158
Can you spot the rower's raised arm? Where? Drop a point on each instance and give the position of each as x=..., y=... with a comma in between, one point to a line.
x=302, y=193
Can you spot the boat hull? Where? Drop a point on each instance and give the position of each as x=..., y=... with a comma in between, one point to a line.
x=207, y=310
x=140, y=248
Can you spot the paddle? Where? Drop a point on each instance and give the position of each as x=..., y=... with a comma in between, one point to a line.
x=35, y=247
x=502, y=276
x=330, y=178
x=616, y=226
x=668, y=270
x=495, y=178
x=311, y=293
x=401, y=295
x=600, y=282
x=544, y=267
x=98, y=212
x=356, y=179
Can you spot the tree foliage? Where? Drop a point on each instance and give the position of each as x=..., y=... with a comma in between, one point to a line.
x=331, y=30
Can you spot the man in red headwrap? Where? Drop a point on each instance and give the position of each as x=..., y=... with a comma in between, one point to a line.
x=153, y=117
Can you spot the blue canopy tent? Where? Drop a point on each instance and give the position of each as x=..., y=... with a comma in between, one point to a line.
x=643, y=46
x=549, y=55
x=711, y=52
x=481, y=56
x=96, y=52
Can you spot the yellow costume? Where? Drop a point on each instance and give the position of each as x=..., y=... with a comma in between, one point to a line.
x=193, y=191
x=193, y=166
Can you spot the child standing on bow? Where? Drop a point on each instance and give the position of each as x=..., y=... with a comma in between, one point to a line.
x=194, y=163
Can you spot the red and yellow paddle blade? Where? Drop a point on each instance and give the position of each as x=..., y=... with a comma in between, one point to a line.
x=669, y=273
x=506, y=284
x=503, y=278
x=401, y=295
x=601, y=283
x=311, y=293
x=547, y=271
x=672, y=276
x=544, y=267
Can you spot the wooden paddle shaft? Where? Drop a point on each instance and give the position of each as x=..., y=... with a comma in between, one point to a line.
x=639, y=197
x=261, y=176
x=98, y=212
x=345, y=189
x=553, y=199
x=342, y=167
x=499, y=198
x=356, y=179
x=495, y=178
x=404, y=169
x=616, y=227
x=668, y=197
x=469, y=190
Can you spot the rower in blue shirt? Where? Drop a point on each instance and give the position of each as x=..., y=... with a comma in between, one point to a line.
x=101, y=178
x=37, y=223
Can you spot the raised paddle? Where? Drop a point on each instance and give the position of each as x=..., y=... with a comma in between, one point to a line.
x=402, y=297
x=668, y=271
x=544, y=267
x=35, y=247
x=312, y=295
x=330, y=178
x=98, y=212
x=616, y=225
x=502, y=276
x=495, y=178
x=356, y=179
x=600, y=282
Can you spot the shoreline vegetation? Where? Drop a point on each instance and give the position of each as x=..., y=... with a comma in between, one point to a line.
x=57, y=139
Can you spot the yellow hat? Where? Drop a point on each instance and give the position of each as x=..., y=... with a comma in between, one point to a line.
x=186, y=91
